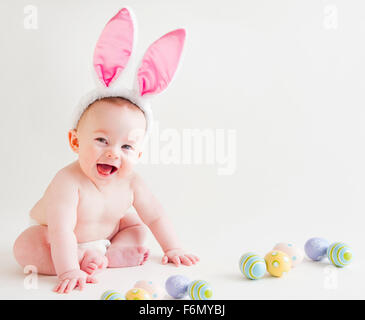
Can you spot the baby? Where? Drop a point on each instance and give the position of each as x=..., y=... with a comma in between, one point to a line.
x=84, y=224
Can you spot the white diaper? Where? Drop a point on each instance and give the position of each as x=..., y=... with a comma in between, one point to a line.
x=100, y=245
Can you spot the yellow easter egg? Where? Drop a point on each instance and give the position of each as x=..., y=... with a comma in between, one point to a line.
x=277, y=263
x=138, y=294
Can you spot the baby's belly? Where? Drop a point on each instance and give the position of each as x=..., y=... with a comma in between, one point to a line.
x=85, y=230
x=92, y=231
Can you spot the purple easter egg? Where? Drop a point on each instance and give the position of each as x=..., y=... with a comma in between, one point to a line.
x=316, y=248
x=177, y=286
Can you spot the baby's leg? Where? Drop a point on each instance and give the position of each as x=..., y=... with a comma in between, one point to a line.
x=32, y=247
x=126, y=249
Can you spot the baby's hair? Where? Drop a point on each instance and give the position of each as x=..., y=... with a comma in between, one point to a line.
x=113, y=100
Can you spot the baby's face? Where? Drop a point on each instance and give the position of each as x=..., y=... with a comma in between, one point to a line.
x=108, y=139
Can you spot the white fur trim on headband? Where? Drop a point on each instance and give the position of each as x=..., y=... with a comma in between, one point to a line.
x=100, y=93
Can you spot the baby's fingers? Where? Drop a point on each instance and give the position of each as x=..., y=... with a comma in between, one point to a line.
x=193, y=259
x=81, y=284
x=63, y=285
x=176, y=260
x=165, y=259
x=71, y=285
x=185, y=261
x=55, y=289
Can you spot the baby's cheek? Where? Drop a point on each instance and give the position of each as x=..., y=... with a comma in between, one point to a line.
x=128, y=164
x=88, y=157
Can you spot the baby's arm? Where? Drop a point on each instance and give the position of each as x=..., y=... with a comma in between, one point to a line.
x=61, y=209
x=153, y=215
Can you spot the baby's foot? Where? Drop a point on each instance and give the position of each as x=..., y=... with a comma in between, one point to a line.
x=93, y=261
x=119, y=256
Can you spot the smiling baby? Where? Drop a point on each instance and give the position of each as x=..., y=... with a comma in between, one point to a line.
x=83, y=221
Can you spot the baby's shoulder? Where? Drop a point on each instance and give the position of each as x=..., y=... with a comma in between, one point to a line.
x=67, y=176
x=135, y=180
x=139, y=184
x=64, y=188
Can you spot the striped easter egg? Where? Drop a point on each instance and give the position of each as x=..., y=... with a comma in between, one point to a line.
x=252, y=266
x=111, y=295
x=339, y=254
x=200, y=290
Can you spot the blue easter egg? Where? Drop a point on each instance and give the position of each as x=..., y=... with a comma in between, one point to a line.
x=112, y=295
x=339, y=254
x=252, y=266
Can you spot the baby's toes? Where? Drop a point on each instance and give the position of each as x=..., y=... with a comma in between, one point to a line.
x=145, y=256
x=104, y=263
x=93, y=260
x=144, y=253
x=90, y=268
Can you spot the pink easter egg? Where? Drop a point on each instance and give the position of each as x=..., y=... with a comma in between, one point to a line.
x=156, y=292
x=296, y=255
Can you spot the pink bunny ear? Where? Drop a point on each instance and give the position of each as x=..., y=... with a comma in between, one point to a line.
x=114, y=47
x=160, y=62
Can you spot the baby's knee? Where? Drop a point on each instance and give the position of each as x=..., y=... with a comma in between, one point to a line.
x=141, y=229
x=138, y=232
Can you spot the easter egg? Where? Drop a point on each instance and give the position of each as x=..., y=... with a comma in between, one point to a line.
x=339, y=254
x=155, y=291
x=176, y=286
x=295, y=254
x=200, y=290
x=137, y=294
x=316, y=248
x=111, y=295
x=277, y=263
x=252, y=266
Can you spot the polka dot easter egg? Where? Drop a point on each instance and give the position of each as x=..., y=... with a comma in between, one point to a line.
x=200, y=290
x=316, y=248
x=339, y=254
x=177, y=285
x=295, y=254
x=137, y=294
x=156, y=292
x=252, y=266
x=277, y=263
x=111, y=295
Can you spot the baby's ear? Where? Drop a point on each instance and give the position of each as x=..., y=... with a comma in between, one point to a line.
x=73, y=140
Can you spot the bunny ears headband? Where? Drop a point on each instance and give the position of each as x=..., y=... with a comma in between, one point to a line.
x=112, y=53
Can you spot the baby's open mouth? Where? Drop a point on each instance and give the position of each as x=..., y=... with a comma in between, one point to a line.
x=106, y=169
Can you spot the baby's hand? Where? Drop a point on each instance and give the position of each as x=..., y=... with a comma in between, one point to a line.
x=72, y=279
x=179, y=256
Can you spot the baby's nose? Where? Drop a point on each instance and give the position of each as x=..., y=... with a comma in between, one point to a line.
x=112, y=155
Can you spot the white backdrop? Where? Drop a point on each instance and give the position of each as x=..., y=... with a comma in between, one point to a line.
x=276, y=86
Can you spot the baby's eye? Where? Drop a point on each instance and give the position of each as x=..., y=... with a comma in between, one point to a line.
x=127, y=146
x=102, y=140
